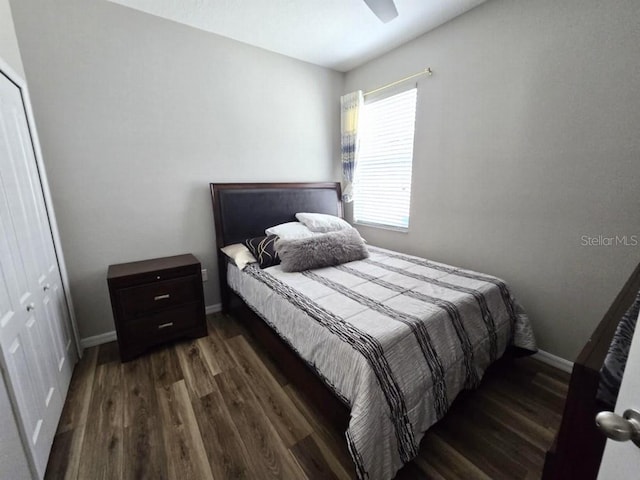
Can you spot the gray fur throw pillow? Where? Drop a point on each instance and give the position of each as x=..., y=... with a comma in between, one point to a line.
x=319, y=251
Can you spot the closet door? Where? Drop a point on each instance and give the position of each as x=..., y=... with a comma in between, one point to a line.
x=53, y=302
x=35, y=338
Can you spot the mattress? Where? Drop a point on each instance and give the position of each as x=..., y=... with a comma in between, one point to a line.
x=396, y=337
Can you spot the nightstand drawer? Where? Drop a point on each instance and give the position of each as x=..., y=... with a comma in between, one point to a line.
x=143, y=299
x=158, y=327
x=155, y=301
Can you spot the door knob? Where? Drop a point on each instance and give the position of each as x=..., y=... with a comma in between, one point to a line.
x=620, y=428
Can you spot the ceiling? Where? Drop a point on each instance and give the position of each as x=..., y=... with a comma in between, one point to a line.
x=338, y=34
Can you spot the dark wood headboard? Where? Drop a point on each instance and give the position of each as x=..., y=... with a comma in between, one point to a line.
x=245, y=210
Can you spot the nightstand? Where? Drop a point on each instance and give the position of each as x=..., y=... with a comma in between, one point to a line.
x=156, y=301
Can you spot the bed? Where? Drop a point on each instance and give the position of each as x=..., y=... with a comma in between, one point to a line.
x=383, y=344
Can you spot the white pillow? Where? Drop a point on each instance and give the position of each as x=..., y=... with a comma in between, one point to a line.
x=290, y=231
x=240, y=255
x=322, y=223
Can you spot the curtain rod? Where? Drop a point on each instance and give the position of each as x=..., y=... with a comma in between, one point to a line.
x=426, y=71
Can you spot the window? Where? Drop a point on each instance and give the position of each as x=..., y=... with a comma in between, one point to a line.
x=382, y=183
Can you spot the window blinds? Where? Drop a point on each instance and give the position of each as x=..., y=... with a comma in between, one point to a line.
x=382, y=183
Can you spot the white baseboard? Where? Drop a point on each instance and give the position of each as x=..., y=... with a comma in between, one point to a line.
x=98, y=339
x=544, y=357
x=554, y=361
x=215, y=308
x=112, y=336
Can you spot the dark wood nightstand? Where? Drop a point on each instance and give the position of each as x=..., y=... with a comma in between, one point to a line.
x=156, y=301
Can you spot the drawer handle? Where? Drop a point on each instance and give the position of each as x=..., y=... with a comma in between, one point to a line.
x=165, y=325
x=161, y=297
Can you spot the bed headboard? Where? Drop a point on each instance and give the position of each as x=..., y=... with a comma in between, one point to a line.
x=245, y=210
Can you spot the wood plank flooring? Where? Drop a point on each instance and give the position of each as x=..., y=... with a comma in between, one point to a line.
x=219, y=408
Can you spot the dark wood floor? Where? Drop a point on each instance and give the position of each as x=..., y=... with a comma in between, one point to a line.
x=219, y=408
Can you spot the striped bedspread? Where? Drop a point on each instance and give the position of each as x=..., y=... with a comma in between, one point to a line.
x=396, y=337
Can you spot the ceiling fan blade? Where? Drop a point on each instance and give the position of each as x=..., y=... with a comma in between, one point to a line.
x=385, y=10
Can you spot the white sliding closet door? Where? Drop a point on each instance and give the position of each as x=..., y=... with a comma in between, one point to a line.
x=36, y=340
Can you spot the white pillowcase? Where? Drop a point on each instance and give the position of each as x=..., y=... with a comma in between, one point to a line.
x=322, y=223
x=240, y=255
x=290, y=231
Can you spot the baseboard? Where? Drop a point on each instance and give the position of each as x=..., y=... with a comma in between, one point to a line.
x=112, y=337
x=544, y=357
x=554, y=361
x=98, y=339
x=215, y=308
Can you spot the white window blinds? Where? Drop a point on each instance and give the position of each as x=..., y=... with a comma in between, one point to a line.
x=382, y=183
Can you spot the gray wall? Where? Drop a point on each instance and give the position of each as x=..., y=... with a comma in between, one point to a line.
x=137, y=115
x=9, y=51
x=527, y=138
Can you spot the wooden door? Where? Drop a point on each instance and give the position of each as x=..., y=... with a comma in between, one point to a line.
x=621, y=460
x=35, y=334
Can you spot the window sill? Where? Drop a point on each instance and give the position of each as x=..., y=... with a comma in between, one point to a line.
x=383, y=227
